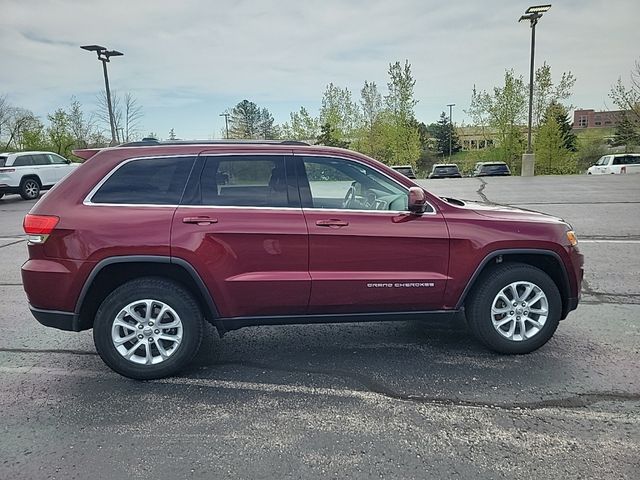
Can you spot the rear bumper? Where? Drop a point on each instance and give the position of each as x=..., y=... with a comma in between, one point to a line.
x=55, y=318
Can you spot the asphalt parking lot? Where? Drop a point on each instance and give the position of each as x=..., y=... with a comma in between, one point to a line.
x=384, y=400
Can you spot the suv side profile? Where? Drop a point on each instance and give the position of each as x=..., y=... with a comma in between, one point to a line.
x=26, y=173
x=145, y=243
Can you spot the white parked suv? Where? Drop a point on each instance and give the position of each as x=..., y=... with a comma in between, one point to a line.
x=27, y=173
x=616, y=163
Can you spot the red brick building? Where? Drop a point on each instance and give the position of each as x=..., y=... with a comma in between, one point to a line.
x=593, y=119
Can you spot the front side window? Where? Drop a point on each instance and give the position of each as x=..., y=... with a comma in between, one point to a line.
x=56, y=159
x=337, y=183
x=243, y=181
x=150, y=181
x=3, y=161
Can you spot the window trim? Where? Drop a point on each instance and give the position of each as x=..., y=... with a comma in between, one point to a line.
x=88, y=200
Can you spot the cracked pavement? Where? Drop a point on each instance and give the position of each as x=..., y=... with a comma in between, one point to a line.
x=385, y=400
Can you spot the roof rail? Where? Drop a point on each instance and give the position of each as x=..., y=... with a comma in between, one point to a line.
x=147, y=142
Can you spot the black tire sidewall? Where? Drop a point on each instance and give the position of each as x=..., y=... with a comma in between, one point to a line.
x=165, y=291
x=479, y=309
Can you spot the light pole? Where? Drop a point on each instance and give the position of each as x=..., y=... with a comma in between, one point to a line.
x=103, y=56
x=532, y=14
x=226, y=122
x=450, y=105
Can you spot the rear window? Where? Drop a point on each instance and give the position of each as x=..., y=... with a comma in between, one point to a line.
x=150, y=181
x=404, y=170
x=3, y=160
x=447, y=170
x=496, y=168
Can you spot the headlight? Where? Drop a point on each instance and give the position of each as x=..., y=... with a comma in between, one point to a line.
x=571, y=236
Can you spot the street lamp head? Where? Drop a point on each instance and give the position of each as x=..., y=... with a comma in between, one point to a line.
x=93, y=48
x=451, y=104
x=538, y=9
x=113, y=53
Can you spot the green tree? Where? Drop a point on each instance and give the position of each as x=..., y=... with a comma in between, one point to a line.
x=505, y=110
x=400, y=134
x=244, y=121
x=546, y=93
x=628, y=98
x=301, y=126
x=442, y=131
x=552, y=156
x=340, y=111
x=60, y=137
x=626, y=134
x=561, y=115
x=172, y=134
x=329, y=136
x=267, y=128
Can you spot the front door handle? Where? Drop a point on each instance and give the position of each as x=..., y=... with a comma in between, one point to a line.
x=332, y=222
x=200, y=220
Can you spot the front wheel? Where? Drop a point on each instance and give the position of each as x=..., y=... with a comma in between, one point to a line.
x=514, y=309
x=148, y=328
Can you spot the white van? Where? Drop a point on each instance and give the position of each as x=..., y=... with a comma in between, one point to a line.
x=619, y=163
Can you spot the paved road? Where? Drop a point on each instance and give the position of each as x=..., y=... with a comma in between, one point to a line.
x=401, y=400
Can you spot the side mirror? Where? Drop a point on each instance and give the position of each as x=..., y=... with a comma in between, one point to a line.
x=417, y=201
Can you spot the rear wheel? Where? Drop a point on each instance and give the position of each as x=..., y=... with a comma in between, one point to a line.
x=148, y=328
x=515, y=308
x=29, y=188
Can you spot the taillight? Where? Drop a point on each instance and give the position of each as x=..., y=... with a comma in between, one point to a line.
x=7, y=170
x=39, y=227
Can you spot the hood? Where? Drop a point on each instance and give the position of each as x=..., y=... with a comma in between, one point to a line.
x=504, y=212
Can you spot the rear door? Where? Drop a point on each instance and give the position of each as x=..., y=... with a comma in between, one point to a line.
x=44, y=168
x=241, y=226
x=366, y=252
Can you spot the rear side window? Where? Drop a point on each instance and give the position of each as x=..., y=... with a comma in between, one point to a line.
x=150, y=181
x=243, y=181
x=23, y=161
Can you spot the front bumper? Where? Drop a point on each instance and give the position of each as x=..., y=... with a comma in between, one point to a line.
x=56, y=319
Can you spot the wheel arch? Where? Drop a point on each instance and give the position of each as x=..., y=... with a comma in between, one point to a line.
x=31, y=176
x=114, y=271
x=546, y=260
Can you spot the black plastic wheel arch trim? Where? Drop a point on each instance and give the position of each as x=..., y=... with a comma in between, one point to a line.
x=213, y=310
x=565, y=287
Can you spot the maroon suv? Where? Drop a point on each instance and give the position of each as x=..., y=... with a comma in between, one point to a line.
x=144, y=242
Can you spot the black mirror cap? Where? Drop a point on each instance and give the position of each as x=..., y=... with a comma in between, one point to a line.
x=417, y=201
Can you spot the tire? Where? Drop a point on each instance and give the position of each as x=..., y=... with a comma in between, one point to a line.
x=170, y=349
x=29, y=188
x=538, y=327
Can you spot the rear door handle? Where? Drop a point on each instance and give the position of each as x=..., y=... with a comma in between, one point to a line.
x=332, y=222
x=200, y=220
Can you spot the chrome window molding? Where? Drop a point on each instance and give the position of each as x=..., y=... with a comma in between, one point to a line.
x=87, y=200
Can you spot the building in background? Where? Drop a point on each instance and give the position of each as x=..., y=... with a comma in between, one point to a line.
x=592, y=119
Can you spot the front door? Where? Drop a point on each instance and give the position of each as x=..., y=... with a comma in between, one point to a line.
x=241, y=226
x=366, y=252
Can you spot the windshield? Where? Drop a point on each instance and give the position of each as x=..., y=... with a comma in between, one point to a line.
x=602, y=161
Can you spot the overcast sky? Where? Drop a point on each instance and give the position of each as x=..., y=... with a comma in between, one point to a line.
x=186, y=61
